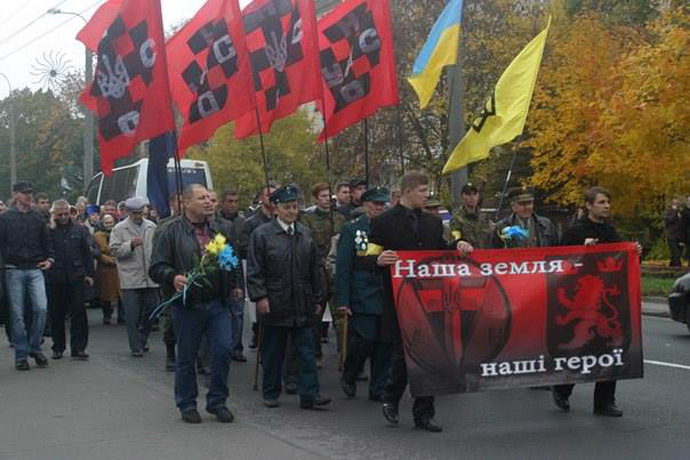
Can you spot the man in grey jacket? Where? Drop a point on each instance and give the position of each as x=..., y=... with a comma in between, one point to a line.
x=131, y=243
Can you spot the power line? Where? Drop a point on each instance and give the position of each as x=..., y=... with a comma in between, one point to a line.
x=14, y=34
x=16, y=12
x=49, y=31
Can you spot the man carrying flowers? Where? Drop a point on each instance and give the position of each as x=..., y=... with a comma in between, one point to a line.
x=194, y=261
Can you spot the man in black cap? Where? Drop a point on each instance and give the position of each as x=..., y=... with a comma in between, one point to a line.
x=405, y=228
x=284, y=279
x=27, y=253
x=540, y=231
x=468, y=222
x=359, y=294
x=73, y=269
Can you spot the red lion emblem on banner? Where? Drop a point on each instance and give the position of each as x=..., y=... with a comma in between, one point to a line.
x=593, y=311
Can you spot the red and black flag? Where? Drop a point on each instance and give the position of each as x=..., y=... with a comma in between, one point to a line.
x=357, y=63
x=130, y=92
x=210, y=74
x=281, y=37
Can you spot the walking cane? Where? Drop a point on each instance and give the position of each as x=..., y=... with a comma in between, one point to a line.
x=343, y=353
x=258, y=357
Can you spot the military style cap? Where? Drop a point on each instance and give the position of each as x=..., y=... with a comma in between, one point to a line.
x=469, y=187
x=285, y=194
x=524, y=193
x=381, y=194
x=357, y=182
x=23, y=187
x=136, y=203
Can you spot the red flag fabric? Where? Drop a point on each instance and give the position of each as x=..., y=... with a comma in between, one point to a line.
x=357, y=63
x=281, y=37
x=130, y=92
x=210, y=73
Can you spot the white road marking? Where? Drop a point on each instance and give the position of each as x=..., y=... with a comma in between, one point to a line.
x=661, y=363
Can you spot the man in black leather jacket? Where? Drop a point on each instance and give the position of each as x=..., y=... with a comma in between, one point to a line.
x=284, y=280
x=73, y=269
x=177, y=248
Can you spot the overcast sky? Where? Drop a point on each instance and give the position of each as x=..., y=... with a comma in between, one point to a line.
x=26, y=37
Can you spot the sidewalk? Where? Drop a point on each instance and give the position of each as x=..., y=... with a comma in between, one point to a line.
x=655, y=306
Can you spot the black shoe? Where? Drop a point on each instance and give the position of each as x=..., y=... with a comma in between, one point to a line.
x=239, y=357
x=390, y=412
x=146, y=347
x=170, y=363
x=80, y=355
x=57, y=354
x=40, y=358
x=560, y=401
x=190, y=416
x=222, y=414
x=313, y=403
x=291, y=388
x=428, y=425
x=22, y=365
x=253, y=342
x=271, y=403
x=121, y=321
x=609, y=410
x=376, y=398
x=350, y=389
x=107, y=321
x=362, y=377
x=138, y=354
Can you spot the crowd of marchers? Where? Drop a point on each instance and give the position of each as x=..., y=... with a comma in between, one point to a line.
x=302, y=269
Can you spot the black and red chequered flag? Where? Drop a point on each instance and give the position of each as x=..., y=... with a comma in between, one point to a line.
x=282, y=42
x=130, y=92
x=210, y=73
x=357, y=63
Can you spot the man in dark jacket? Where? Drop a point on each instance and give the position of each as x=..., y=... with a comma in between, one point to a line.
x=261, y=216
x=26, y=250
x=72, y=270
x=675, y=232
x=405, y=228
x=178, y=246
x=284, y=279
x=589, y=231
x=359, y=294
x=540, y=230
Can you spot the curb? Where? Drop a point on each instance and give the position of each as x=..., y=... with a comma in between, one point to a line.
x=661, y=305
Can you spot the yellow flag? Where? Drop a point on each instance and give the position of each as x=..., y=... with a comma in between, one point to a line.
x=505, y=113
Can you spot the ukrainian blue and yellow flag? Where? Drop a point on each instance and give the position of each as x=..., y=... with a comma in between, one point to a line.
x=440, y=50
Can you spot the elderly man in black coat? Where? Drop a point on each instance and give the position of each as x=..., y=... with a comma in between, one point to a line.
x=405, y=228
x=284, y=280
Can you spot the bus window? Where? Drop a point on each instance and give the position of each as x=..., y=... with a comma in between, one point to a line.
x=121, y=184
x=189, y=176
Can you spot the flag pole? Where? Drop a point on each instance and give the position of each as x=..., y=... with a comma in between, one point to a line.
x=328, y=161
x=263, y=148
x=456, y=122
x=400, y=140
x=366, y=150
x=505, y=186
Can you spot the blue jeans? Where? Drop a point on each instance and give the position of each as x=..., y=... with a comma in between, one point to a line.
x=237, y=315
x=18, y=283
x=190, y=323
x=274, y=346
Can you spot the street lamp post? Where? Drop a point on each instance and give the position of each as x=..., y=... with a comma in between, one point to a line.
x=13, y=143
x=89, y=120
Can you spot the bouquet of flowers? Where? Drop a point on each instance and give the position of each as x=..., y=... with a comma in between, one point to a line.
x=218, y=254
x=511, y=235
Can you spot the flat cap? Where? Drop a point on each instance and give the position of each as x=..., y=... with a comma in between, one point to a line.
x=136, y=203
x=23, y=187
x=357, y=182
x=524, y=193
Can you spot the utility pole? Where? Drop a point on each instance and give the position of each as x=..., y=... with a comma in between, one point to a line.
x=89, y=119
x=13, y=141
x=456, y=123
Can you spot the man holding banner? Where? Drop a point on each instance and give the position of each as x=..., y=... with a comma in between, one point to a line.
x=591, y=230
x=405, y=227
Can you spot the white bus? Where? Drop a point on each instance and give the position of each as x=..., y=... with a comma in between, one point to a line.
x=131, y=180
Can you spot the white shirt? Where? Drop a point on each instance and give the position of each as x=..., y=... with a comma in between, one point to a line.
x=285, y=226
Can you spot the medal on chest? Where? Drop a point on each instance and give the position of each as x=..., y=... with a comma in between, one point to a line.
x=361, y=243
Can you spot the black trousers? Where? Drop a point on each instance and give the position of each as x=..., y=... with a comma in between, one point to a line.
x=676, y=252
x=273, y=348
x=604, y=392
x=358, y=350
x=64, y=298
x=423, y=408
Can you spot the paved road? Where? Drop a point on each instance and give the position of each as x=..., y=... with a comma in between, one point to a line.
x=116, y=407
